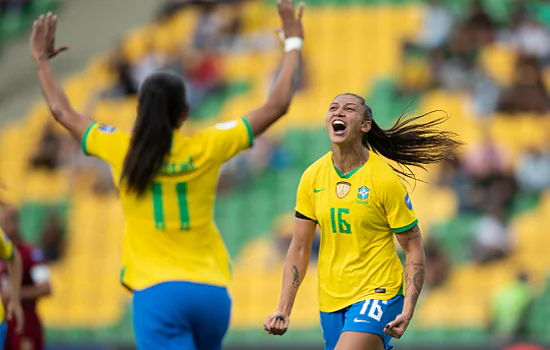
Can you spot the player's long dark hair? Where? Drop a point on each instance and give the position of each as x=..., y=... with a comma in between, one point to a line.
x=410, y=141
x=161, y=106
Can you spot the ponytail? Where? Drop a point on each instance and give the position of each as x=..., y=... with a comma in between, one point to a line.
x=411, y=141
x=161, y=108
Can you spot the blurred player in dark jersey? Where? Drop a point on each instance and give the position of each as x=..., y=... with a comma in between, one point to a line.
x=36, y=284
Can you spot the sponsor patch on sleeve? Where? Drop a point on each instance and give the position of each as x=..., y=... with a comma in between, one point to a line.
x=106, y=129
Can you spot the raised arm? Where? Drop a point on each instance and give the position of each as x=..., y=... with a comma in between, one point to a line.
x=415, y=271
x=42, y=46
x=296, y=263
x=279, y=100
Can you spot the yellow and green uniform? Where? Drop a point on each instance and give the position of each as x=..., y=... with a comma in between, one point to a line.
x=170, y=233
x=6, y=253
x=358, y=213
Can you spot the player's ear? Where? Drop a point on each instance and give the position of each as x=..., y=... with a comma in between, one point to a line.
x=366, y=125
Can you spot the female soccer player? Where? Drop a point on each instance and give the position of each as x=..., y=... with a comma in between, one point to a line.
x=174, y=259
x=359, y=203
x=14, y=310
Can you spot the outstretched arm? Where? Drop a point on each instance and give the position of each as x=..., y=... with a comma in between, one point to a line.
x=415, y=271
x=279, y=100
x=42, y=45
x=296, y=263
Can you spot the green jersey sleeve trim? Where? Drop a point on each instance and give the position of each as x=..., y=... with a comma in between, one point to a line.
x=405, y=228
x=85, y=138
x=250, y=133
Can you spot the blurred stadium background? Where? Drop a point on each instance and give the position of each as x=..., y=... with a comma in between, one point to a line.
x=484, y=216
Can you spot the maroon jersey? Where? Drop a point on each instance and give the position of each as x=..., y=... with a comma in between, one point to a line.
x=32, y=336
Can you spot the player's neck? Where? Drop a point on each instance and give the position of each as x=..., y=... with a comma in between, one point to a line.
x=347, y=158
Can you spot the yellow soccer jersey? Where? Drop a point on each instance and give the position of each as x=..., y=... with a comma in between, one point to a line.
x=170, y=232
x=6, y=253
x=358, y=213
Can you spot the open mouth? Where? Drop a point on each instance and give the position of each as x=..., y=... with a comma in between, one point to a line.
x=339, y=127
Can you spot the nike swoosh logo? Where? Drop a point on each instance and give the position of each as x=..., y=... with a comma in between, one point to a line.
x=359, y=321
x=317, y=191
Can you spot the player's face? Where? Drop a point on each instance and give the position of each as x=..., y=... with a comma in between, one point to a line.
x=345, y=120
x=10, y=221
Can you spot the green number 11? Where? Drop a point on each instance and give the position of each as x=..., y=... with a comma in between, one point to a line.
x=158, y=208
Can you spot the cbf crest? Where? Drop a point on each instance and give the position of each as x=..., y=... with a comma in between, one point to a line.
x=363, y=193
x=342, y=189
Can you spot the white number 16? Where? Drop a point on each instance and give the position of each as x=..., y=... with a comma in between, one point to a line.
x=375, y=311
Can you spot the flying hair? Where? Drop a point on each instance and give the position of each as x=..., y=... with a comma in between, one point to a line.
x=416, y=141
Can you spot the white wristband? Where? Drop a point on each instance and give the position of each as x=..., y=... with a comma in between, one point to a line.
x=293, y=43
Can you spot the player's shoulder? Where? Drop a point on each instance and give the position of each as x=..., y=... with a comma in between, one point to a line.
x=382, y=173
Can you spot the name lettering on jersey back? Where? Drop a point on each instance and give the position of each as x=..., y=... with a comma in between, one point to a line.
x=171, y=168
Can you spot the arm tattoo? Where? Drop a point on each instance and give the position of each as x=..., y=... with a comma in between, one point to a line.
x=417, y=281
x=296, y=274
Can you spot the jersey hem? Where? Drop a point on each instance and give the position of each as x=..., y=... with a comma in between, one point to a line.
x=85, y=138
x=405, y=228
x=249, y=131
x=369, y=296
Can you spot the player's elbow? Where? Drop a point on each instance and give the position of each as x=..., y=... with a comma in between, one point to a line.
x=46, y=289
x=279, y=107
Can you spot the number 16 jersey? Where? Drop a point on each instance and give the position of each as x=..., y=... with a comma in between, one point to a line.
x=170, y=234
x=358, y=213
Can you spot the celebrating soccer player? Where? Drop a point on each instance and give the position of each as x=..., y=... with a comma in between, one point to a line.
x=174, y=259
x=359, y=203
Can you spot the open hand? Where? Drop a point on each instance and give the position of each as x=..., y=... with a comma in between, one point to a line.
x=277, y=323
x=14, y=309
x=292, y=23
x=397, y=327
x=42, y=42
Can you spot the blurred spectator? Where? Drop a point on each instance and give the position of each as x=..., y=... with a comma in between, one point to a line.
x=49, y=148
x=487, y=158
x=219, y=23
x=152, y=61
x=416, y=75
x=436, y=15
x=35, y=285
x=438, y=265
x=453, y=174
x=533, y=170
x=453, y=63
x=492, y=236
x=532, y=38
x=485, y=93
x=246, y=166
x=268, y=252
x=52, y=238
x=510, y=308
x=125, y=84
x=524, y=346
x=202, y=73
x=479, y=25
x=528, y=92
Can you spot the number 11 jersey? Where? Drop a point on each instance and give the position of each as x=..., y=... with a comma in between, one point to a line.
x=170, y=233
x=358, y=213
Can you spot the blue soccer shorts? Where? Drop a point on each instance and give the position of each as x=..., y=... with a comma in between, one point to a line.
x=3, y=334
x=369, y=316
x=181, y=315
